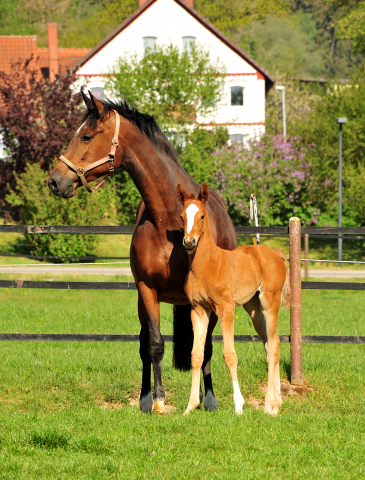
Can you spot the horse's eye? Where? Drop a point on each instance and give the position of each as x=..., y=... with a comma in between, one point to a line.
x=181, y=217
x=202, y=217
x=86, y=138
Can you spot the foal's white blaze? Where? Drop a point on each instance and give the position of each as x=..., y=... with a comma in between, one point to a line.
x=191, y=212
x=237, y=398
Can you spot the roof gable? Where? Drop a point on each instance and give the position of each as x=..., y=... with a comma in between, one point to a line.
x=269, y=80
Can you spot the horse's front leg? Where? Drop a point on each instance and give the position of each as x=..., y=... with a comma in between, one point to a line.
x=226, y=316
x=210, y=402
x=151, y=350
x=200, y=321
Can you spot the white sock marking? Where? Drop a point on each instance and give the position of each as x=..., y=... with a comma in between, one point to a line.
x=237, y=398
x=190, y=212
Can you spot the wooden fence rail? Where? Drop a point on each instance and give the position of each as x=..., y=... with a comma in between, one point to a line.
x=295, y=338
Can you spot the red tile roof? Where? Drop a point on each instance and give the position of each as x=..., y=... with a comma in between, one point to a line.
x=14, y=48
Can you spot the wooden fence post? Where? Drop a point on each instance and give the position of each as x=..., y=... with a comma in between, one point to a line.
x=296, y=302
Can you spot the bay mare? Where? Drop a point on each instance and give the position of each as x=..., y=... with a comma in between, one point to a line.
x=159, y=261
x=254, y=276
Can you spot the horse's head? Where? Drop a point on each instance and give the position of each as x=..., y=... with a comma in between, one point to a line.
x=97, y=136
x=192, y=215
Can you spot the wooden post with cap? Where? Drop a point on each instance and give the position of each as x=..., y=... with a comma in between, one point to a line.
x=296, y=302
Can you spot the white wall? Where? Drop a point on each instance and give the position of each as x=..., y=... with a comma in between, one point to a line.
x=169, y=22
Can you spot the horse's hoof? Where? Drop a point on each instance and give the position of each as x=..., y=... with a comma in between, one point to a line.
x=238, y=405
x=272, y=409
x=210, y=402
x=187, y=411
x=159, y=406
x=145, y=403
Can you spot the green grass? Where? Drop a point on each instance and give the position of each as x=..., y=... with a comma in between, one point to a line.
x=67, y=410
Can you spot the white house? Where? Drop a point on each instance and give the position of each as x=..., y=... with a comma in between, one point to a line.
x=164, y=22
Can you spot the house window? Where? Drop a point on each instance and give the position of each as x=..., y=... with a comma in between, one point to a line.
x=98, y=92
x=237, y=96
x=188, y=45
x=237, y=138
x=149, y=44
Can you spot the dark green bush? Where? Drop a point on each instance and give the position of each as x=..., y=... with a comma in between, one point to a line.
x=38, y=206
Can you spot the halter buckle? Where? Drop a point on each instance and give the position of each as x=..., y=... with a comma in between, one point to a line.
x=80, y=172
x=115, y=142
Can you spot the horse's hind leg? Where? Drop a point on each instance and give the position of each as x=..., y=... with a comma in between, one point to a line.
x=264, y=310
x=151, y=351
x=226, y=317
x=210, y=402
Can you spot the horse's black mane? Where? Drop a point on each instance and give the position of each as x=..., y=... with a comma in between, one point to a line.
x=145, y=122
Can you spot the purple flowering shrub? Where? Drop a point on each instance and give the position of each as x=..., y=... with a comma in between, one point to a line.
x=276, y=171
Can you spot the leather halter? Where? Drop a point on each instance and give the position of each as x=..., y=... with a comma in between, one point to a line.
x=80, y=171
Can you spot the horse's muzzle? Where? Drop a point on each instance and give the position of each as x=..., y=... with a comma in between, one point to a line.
x=62, y=187
x=189, y=244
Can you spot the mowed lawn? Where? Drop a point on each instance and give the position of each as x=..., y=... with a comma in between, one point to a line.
x=69, y=410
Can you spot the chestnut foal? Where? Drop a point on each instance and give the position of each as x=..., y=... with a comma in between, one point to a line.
x=219, y=280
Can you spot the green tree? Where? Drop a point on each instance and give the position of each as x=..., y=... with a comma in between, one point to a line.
x=228, y=15
x=319, y=129
x=172, y=86
x=352, y=26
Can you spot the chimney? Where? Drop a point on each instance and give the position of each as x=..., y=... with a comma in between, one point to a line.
x=52, y=50
x=190, y=2
x=141, y=2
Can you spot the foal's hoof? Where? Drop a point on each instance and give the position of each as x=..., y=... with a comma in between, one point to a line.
x=188, y=410
x=238, y=405
x=145, y=403
x=210, y=402
x=159, y=406
x=272, y=408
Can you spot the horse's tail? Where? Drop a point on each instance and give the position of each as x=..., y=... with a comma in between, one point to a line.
x=286, y=292
x=183, y=337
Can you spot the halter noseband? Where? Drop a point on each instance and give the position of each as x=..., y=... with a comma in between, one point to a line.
x=80, y=171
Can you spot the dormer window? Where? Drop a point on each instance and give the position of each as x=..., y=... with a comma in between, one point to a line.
x=237, y=96
x=188, y=45
x=149, y=45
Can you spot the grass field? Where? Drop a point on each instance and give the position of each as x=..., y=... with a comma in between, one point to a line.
x=69, y=410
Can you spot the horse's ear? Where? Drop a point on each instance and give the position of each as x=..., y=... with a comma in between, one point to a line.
x=181, y=194
x=96, y=105
x=87, y=100
x=204, y=194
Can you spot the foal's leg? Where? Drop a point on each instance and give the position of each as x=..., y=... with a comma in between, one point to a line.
x=226, y=316
x=210, y=402
x=264, y=308
x=200, y=321
x=151, y=350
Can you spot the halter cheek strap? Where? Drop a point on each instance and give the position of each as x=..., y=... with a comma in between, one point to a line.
x=80, y=171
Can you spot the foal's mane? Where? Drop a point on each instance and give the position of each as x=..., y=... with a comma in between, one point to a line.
x=145, y=122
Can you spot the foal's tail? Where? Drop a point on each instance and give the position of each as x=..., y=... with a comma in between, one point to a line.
x=286, y=292
x=183, y=337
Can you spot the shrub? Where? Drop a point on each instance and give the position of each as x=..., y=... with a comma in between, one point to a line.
x=38, y=206
x=276, y=171
x=37, y=119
